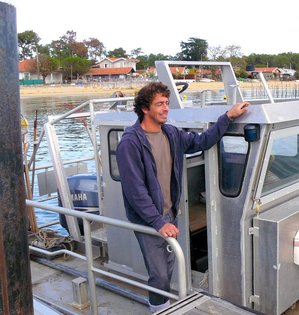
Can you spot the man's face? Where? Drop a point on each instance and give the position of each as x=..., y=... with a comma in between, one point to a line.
x=158, y=111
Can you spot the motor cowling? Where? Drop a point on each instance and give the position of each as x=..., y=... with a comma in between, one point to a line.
x=84, y=193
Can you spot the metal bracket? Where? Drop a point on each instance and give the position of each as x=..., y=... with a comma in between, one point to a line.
x=80, y=295
x=254, y=231
x=254, y=299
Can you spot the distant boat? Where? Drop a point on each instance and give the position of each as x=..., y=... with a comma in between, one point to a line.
x=206, y=80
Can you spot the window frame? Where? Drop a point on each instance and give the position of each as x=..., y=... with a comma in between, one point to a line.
x=113, y=152
x=220, y=173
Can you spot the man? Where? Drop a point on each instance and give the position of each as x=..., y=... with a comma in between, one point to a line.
x=150, y=160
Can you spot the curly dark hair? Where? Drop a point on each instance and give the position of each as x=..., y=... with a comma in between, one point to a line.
x=145, y=96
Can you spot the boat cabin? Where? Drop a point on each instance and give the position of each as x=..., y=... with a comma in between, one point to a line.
x=239, y=209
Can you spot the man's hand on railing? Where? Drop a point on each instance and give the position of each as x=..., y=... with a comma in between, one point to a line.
x=169, y=230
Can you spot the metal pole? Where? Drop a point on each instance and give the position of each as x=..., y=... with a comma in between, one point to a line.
x=90, y=275
x=96, y=157
x=261, y=75
x=15, y=278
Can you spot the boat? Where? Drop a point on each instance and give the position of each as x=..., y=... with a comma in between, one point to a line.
x=236, y=249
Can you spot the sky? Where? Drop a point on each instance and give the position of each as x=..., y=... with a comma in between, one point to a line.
x=158, y=26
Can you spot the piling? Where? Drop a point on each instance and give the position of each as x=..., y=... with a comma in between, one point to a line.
x=15, y=278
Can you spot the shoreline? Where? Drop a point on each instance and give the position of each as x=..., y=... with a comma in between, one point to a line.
x=109, y=89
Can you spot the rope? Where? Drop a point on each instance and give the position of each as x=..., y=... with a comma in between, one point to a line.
x=49, y=239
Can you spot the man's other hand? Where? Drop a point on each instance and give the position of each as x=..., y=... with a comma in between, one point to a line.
x=237, y=110
x=169, y=230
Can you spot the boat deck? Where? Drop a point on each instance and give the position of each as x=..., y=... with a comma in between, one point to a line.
x=54, y=287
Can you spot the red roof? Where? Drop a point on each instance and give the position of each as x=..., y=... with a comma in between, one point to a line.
x=265, y=69
x=28, y=65
x=115, y=59
x=109, y=71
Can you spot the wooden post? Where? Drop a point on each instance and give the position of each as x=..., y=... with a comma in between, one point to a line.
x=29, y=188
x=15, y=278
x=30, y=210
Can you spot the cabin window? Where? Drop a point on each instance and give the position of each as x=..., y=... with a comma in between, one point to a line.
x=232, y=162
x=283, y=164
x=114, y=137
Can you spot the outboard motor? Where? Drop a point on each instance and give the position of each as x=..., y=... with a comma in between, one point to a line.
x=84, y=193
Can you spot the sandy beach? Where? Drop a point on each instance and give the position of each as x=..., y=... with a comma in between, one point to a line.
x=130, y=90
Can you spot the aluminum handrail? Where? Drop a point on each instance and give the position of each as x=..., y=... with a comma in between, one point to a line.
x=77, y=161
x=87, y=219
x=55, y=119
x=54, y=150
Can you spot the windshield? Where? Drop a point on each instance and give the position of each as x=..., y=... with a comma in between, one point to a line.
x=283, y=163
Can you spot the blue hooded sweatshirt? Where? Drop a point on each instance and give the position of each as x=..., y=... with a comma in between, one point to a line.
x=142, y=194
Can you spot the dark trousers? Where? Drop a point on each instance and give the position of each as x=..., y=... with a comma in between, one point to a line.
x=159, y=262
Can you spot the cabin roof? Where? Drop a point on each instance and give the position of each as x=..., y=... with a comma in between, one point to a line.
x=269, y=113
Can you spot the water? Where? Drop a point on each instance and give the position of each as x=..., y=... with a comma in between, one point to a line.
x=71, y=135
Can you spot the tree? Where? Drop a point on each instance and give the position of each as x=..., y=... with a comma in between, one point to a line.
x=239, y=63
x=79, y=49
x=142, y=63
x=261, y=60
x=28, y=44
x=217, y=53
x=95, y=48
x=59, y=49
x=283, y=60
x=67, y=45
x=118, y=53
x=194, y=49
x=75, y=66
x=135, y=53
x=233, y=51
x=146, y=61
x=44, y=49
x=46, y=65
x=220, y=54
x=69, y=38
x=178, y=56
x=152, y=58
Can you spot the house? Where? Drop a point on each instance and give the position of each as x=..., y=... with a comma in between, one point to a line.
x=28, y=74
x=28, y=69
x=286, y=74
x=111, y=62
x=272, y=73
x=106, y=74
x=111, y=68
x=269, y=73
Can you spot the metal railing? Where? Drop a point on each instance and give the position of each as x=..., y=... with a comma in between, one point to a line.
x=91, y=269
x=54, y=150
